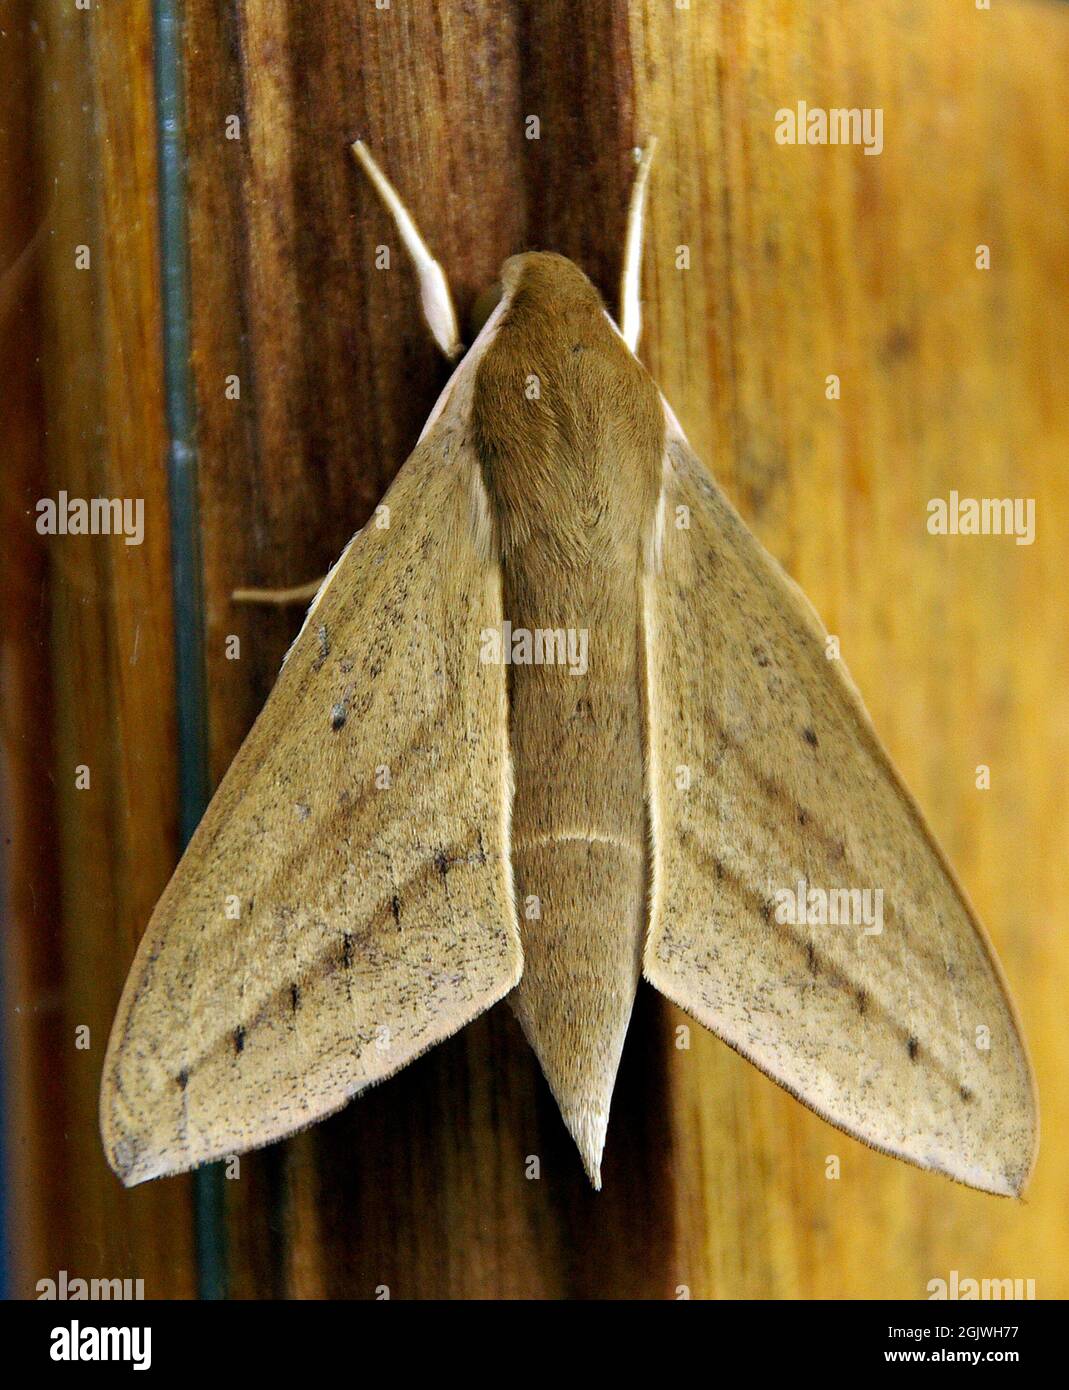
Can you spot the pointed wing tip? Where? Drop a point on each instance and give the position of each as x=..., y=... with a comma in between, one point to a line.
x=1018, y=1180
x=130, y=1177
x=130, y=1155
x=1002, y=1158
x=1002, y=1171
x=993, y=1179
x=134, y=1160
x=131, y=1162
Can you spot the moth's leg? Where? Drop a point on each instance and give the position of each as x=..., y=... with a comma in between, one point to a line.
x=631, y=282
x=300, y=593
x=433, y=286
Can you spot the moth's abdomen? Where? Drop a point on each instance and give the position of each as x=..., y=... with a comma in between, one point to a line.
x=570, y=436
x=579, y=852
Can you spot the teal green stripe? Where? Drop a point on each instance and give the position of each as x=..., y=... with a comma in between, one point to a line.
x=210, y=1229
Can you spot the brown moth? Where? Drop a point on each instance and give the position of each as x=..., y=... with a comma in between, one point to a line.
x=554, y=721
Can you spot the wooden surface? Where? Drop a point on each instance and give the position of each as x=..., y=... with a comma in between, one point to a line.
x=804, y=262
x=87, y=655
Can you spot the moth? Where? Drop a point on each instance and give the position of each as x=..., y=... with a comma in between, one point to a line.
x=556, y=721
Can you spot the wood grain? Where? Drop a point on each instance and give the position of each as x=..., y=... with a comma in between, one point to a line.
x=804, y=262
x=33, y=980
x=93, y=639
x=811, y=261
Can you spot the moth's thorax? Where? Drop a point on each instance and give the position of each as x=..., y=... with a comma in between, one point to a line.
x=568, y=425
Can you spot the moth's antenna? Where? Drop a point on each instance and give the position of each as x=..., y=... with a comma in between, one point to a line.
x=631, y=282
x=433, y=286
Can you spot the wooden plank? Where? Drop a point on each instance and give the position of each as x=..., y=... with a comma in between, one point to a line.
x=803, y=262
x=90, y=861
x=33, y=962
x=337, y=375
x=809, y=261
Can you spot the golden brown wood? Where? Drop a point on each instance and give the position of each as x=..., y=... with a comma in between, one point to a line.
x=803, y=262
x=812, y=261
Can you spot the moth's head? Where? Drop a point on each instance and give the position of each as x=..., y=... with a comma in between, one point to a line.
x=539, y=278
